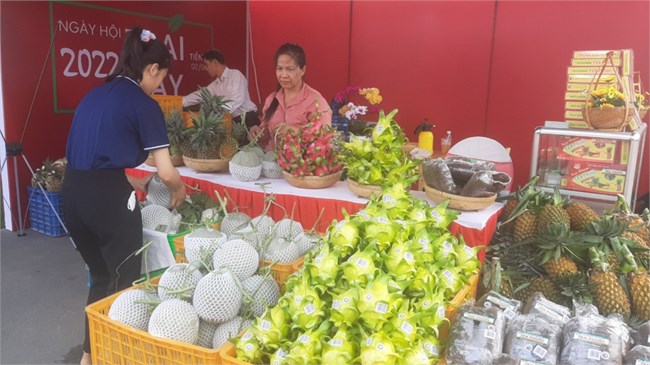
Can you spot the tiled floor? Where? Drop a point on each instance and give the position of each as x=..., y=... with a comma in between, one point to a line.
x=42, y=297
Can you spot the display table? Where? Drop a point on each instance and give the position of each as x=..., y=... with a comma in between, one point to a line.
x=476, y=227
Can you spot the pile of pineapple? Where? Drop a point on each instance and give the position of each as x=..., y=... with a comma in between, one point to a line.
x=567, y=251
x=50, y=175
x=212, y=135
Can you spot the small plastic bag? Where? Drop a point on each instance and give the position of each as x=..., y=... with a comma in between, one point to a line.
x=478, y=185
x=505, y=359
x=639, y=355
x=436, y=174
x=594, y=339
x=533, y=338
x=554, y=313
x=643, y=334
x=476, y=336
x=510, y=307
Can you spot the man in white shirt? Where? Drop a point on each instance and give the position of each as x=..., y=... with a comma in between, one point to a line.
x=229, y=83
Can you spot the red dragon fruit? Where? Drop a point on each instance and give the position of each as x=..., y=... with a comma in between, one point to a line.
x=309, y=151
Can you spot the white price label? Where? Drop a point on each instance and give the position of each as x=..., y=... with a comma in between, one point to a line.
x=387, y=198
x=303, y=338
x=509, y=313
x=309, y=309
x=489, y=334
x=381, y=308
x=282, y=353
x=593, y=354
x=336, y=304
x=247, y=336
x=297, y=299
x=446, y=248
x=382, y=220
x=469, y=251
x=539, y=351
x=450, y=277
x=368, y=341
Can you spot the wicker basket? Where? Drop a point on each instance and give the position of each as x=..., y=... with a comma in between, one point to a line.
x=201, y=165
x=363, y=190
x=176, y=161
x=611, y=119
x=643, y=111
x=459, y=202
x=312, y=182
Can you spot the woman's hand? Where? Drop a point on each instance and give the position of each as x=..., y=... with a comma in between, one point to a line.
x=254, y=131
x=170, y=176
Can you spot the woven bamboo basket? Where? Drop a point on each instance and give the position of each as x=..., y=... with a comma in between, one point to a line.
x=176, y=161
x=201, y=165
x=643, y=111
x=465, y=203
x=611, y=119
x=363, y=190
x=312, y=182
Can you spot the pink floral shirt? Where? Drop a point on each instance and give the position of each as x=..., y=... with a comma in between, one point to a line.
x=296, y=112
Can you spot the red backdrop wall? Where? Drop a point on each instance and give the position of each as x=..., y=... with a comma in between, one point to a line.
x=25, y=38
x=491, y=68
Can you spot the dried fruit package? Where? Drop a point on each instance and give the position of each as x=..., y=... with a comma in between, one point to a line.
x=510, y=307
x=479, y=185
x=643, y=334
x=476, y=336
x=594, y=339
x=554, y=313
x=437, y=175
x=533, y=338
x=639, y=355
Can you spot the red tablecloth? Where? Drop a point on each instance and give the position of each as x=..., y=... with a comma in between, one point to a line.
x=476, y=227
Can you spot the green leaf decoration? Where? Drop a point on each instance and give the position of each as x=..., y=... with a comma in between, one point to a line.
x=176, y=22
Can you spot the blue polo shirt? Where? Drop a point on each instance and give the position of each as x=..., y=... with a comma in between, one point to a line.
x=114, y=127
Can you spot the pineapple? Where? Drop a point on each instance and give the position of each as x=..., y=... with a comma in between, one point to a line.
x=639, y=285
x=175, y=128
x=494, y=278
x=575, y=287
x=609, y=295
x=559, y=249
x=525, y=226
x=53, y=183
x=240, y=131
x=580, y=215
x=228, y=148
x=553, y=213
x=203, y=139
x=547, y=287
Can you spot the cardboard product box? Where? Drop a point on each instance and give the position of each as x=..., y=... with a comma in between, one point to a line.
x=577, y=123
x=596, y=177
x=587, y=149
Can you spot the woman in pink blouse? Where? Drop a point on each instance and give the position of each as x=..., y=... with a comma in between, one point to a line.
x=293, y=102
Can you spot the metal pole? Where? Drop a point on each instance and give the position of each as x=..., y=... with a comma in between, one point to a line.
x=21, y=230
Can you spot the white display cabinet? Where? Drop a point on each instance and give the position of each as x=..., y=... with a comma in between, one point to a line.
x=590, y=164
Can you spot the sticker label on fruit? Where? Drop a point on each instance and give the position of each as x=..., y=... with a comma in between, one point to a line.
x=441, y=311
x=381, y=308
x=478, y=317
x=309, y=309
x=408, y=257
x=247, y=336
x=592, y=339
x=533, y=337
x=303, y=338
x=265, y=325
x=406, y=328
x=336, y=304
x=336, y=342
x=361, y=263
x=446, y=248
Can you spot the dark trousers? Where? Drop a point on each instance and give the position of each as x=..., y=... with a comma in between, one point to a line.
x=251, y=119
x=105, y=231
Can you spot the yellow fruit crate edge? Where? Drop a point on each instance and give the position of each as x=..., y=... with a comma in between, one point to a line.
x=169, y=102
x=228, y=350
x=112, y=342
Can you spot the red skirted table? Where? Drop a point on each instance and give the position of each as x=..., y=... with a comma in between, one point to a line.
x=476, y=227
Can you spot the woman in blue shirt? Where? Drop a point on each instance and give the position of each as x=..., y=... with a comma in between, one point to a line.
x=115, y=127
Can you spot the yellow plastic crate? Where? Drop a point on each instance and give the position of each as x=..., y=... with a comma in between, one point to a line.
x=169, y=102
x=112, y=342
x=281, y=272
x=229, y=355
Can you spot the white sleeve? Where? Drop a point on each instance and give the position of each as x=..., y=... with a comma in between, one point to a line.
x=191, y=99
x=235, y=90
